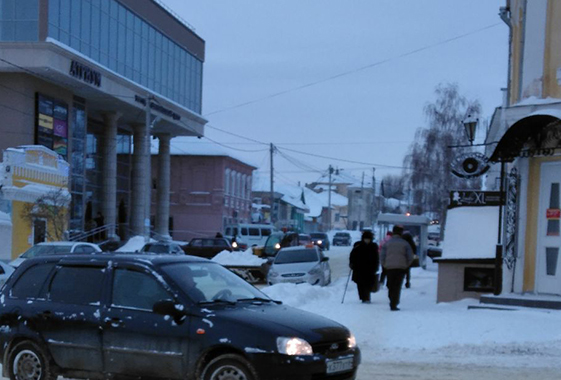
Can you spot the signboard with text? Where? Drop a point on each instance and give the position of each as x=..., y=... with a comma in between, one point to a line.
x=52, y=124
x=463, y=198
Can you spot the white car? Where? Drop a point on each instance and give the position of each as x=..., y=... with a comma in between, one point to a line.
x=56, y=248
x=299, y=265
x=5, y=272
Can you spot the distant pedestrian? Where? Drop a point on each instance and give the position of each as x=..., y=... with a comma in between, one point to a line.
x=384, y=241
x=409, y=239
x=100, y=221
x=396, y=257
x=364, y=262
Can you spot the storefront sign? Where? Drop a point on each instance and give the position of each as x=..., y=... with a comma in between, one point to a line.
x=475, y=198
x=157, y=107
x=85, y=73
x=553, y=214
x=52, y=125
x=470, y=165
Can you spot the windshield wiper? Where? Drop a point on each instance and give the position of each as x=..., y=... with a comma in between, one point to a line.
x=216, y=302
x=261, y=299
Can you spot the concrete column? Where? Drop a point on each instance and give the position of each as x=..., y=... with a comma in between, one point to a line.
x=109, y=183
x=139, y=169
x=162, y=205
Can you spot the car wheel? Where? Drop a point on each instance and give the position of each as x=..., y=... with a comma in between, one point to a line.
x=28, y=361
x=228, y=367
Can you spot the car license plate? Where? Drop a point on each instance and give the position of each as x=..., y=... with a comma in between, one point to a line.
x=341, y=365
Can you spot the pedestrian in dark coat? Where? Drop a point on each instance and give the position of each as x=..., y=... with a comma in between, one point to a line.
x=409, y=239
x=396, y=257
x=364, y=262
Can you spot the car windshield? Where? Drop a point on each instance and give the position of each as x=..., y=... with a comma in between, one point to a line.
x=210, y=282
x=156, y=248
x=39, y=250
x=342, y=234
x=296, y=256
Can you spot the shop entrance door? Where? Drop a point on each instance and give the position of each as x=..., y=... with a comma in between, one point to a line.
x=549, y=226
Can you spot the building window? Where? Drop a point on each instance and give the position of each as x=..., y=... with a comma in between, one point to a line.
x=227, y=181
x=19, y=20
x=118, y=39
x=479, y=279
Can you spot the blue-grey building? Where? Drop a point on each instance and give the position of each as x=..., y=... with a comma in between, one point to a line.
x=75, y=76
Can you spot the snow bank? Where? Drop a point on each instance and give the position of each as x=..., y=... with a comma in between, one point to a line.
x=471, y=232
x=134, y=244
x=421, y=327
x=246, y=258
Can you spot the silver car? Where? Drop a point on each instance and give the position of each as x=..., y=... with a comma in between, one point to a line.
x=298, y=265
x=55, y=248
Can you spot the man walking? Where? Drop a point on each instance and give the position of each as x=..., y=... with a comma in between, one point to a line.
x=396, y=258
x=364, y=262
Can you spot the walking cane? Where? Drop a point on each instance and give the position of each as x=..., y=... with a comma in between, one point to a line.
x=346, y=286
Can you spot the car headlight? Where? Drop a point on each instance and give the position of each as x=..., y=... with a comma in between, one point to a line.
x=277, y=246
x=351, y=340
x=234, y=245
x=320, y=242
x=294, y=346
x=315, y=270
x=273, y=273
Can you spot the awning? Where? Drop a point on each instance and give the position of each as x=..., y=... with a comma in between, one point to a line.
x=534, y=125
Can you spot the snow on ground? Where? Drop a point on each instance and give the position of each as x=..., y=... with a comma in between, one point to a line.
x=246, y=258
x=134, y=244
x=428, y=332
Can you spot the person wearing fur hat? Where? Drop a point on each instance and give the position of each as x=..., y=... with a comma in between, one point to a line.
x=364, y=262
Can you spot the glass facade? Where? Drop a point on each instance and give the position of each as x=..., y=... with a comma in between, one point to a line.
x=78, y=166
x=118, y=39
x=19, y=20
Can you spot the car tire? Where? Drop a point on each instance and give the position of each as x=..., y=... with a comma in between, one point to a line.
x=230, y=366
x=28, y=361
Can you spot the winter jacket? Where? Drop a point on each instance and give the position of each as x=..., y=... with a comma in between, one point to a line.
x=364, y=262
x=396, y=254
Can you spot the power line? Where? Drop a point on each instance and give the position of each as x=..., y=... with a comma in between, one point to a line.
x=350, y=72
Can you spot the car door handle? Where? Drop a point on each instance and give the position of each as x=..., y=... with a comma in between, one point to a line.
x=46, y=314
x=113, y=322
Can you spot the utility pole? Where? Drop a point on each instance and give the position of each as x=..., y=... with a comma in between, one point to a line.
x=374, y=197
x=361, y=200
x=329, y=200
x=148, y=161
x=271, y=213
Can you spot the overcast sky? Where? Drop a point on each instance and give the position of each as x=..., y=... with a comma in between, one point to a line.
x=256, y=48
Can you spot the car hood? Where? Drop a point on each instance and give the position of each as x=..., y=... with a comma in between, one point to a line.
x=282, y=320
x=294, y=267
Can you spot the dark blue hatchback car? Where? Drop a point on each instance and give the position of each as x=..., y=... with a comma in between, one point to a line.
x=174, y=317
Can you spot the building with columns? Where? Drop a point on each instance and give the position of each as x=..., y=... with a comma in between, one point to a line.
x=75, y=76
x=211, y=188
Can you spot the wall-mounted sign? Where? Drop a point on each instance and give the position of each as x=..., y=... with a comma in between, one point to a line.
x=157, y=107
x=85, y=73
x=461, y=198
x=553, y=214
x=52, y=125
x=470, y=165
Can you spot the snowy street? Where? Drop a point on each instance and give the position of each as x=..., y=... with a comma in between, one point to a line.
x=426, y=340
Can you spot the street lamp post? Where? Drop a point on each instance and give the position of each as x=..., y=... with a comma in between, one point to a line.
x=470, y=125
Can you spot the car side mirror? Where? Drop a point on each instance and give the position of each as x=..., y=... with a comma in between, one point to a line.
x=170, y=308
x=325, y=258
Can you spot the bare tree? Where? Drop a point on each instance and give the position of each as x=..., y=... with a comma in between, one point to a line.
x=430, y=157
x=52, y=207
x=393, y=186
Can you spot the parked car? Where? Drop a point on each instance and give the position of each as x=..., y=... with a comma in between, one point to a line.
x=55, y=248
x=321, y=240
x=6, y=271
x=342, y=238
x=207, y=247
x=299, y=265
x=159, y=316
x=163, y=248
x=249, y=235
